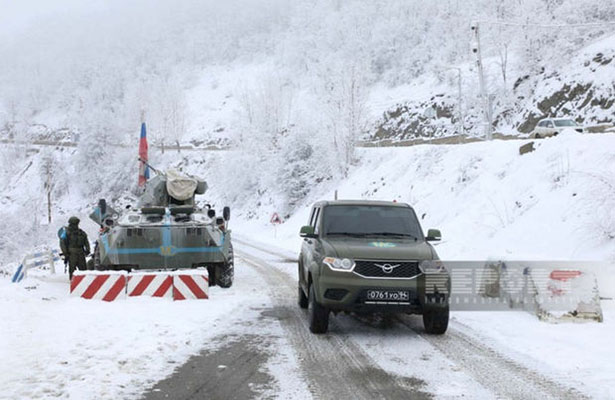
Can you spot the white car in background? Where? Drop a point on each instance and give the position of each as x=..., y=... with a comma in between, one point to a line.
x=553, y=126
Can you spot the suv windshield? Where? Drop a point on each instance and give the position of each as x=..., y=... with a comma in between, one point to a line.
x=564, y=122
x=363, y=220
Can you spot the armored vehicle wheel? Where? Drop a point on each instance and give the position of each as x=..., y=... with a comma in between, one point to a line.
x=436, y=320
x=317, y=314
x=303, y=300
x=225, y=273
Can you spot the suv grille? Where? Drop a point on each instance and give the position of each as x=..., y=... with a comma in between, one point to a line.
x=398, y=269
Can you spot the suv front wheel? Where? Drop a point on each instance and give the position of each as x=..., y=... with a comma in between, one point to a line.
x=318, y=315
x=436, y=320
x=303, y=300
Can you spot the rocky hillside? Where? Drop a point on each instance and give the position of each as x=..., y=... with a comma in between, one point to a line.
x=581, y=87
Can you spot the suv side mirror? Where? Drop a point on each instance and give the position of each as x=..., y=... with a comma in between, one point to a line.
x=433, y=235
x=307, y=231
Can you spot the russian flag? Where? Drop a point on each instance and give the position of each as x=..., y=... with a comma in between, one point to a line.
x=143, y=168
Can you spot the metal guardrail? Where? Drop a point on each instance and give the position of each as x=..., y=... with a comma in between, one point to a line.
x=162, y=147
x=455, y=139
x=462, y=139
x=36, y=260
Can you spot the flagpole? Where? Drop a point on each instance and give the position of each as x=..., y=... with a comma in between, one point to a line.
x=143, y=156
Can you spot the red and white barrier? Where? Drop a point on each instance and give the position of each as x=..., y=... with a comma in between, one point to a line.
x=150, y=284
x=566, y=293
x=560, y=281
x=107, y=286
x=191, y=285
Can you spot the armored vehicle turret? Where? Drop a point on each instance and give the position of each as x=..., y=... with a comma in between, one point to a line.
x=167, y=230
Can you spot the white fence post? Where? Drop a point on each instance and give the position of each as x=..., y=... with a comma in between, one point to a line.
x=52, y=266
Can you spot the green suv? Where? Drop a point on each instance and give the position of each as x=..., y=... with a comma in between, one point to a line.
x=370, y=257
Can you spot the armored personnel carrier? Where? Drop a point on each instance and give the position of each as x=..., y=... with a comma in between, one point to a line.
x=166, y=231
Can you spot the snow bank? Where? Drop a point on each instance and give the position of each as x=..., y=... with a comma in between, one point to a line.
x=490, y=202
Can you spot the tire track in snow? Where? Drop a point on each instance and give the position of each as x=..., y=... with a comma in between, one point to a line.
x=335, y=367
x=261, y=248
x=504, y=377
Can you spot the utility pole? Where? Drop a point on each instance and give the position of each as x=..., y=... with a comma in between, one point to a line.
x=481, y=77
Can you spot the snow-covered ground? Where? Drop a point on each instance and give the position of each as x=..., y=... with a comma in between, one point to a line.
x=578, y=353
x=279, y=80
x=56, y=346
x=555, y=203
x=489, y=201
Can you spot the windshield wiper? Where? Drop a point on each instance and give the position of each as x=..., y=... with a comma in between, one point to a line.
x=392, y=234
x=353, y=234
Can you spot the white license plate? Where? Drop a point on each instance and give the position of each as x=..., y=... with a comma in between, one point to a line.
x=388, y=295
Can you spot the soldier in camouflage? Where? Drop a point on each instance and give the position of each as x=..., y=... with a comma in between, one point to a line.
x=75, y=246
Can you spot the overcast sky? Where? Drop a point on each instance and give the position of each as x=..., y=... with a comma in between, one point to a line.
x=19, y=15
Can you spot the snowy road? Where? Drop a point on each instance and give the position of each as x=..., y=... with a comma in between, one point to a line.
x=361, y=357
x=252, y=341
x=334, y=365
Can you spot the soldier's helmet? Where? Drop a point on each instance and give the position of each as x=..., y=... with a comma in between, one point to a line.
x=73, y=221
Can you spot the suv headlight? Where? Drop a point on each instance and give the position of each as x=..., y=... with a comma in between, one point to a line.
x=432, y=267
x=339, y=264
